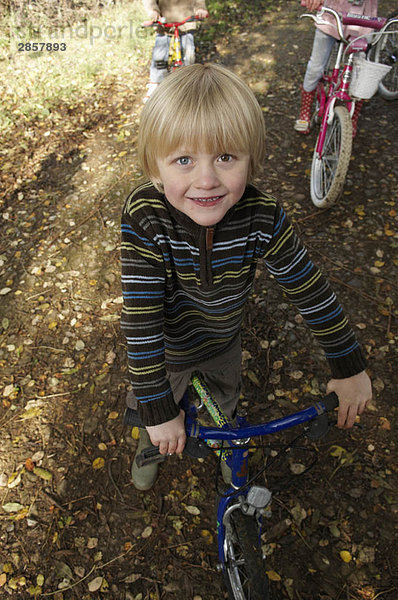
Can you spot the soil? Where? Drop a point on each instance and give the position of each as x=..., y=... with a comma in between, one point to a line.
x=72, y=526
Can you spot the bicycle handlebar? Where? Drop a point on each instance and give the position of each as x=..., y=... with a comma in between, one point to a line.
x=345, y=18
x=163, y=22
x=197, y=448
x=329, y=403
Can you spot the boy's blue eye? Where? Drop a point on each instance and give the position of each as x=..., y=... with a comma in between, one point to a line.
x=183, y=160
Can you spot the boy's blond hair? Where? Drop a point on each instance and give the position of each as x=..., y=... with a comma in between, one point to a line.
x=201, y=107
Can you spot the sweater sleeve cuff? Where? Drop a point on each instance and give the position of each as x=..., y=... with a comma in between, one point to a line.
x=160, y=411
x=348, y=366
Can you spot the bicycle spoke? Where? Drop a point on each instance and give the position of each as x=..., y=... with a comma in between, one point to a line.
x=244, y=566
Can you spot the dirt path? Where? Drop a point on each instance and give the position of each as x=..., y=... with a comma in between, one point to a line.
x=64, y=379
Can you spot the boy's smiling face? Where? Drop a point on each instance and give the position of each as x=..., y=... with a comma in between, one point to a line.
x=202, y=185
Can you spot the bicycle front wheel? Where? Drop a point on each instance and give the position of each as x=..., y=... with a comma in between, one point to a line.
x=244, y=568
x=386, y=52
x=329, y=170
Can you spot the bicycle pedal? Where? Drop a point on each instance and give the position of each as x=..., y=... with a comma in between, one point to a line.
x=149, y=456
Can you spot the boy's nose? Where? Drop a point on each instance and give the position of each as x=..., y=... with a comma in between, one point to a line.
x=206, y=178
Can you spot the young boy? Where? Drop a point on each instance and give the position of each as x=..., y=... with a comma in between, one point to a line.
x=191, y=239
x=174, y=11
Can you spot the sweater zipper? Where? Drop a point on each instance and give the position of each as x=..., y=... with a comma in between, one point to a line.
x=209, y=248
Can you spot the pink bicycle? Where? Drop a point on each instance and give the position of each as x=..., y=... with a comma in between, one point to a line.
x=352, y=78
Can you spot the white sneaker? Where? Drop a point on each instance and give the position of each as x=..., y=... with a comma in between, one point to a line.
x=302, y=126
x=151, y=87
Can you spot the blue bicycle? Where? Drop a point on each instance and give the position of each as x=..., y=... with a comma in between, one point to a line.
x=243, y=507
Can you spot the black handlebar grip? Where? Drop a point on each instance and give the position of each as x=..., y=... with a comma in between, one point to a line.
x=331, y=401
x=195, y=448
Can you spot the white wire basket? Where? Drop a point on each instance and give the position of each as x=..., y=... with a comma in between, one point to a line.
x=366, y=76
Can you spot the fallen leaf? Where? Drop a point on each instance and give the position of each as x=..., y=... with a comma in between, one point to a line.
x=297, y=468
x=29, y=464
x=8, y=390
x=14, y=479
x=273, y=576
x=337, y=451
x=98, y=463
x=135, y=433
x=12, y=507
x=132, y=578
x=345, y=556
x=31, y=413
x=95, y=584
x=207, y=536
x=43, y=473
x=147, y=532
x=296, y=374
x=253, y=377
x=385, y=424
x=193, y=510
x=22, y=514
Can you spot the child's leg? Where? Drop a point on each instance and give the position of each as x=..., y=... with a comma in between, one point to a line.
x=223, y=379
x=222, y=376
x=158, y=69
x=160, y=57
x=357, y=110
x=321, y=49
x=143, y=478
x=188, y=48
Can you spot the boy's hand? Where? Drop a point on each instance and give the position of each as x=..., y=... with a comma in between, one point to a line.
x=354, y=393
x=201, y=13
x=311, y=4
x=169, y=436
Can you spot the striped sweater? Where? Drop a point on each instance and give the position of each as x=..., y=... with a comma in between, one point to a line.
x=185, y=287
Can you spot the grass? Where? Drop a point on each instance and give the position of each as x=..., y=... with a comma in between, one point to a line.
x=111, y=45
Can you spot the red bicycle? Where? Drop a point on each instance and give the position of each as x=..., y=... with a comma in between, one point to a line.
x=176, y=57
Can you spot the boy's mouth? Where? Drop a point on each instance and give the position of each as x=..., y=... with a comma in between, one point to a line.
x=210, y=201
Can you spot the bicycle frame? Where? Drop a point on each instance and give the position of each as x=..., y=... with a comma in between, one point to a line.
x=239, y=437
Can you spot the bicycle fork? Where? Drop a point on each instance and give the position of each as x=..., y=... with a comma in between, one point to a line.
x=253, y=501
x=343, y=95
